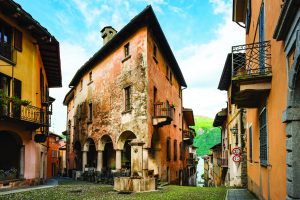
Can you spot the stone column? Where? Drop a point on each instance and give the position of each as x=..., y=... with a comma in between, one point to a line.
x=118, y=159
x=100, y=160
x=22, y=159
x=136, y=158
x=291, y=117
x=84, y=159
x=145, y=162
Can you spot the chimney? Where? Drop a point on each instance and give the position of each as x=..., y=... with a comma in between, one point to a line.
x=108, y=33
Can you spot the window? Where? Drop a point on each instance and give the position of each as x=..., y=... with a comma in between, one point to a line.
x=91, y=76
x=154, y=50
x=181, y=150
x=127, y=98
x=42, y=86
x=5, y=40
x=248, y=16
x=263, y=135
x=5, y=84
x=90, y=112
x=126, y=50
x=81, y=83
x=54, y=154
x=175, y=150
x=18, y=40
x=250, y=144
x=168, y=149
x=167, y=71
x=262, y=54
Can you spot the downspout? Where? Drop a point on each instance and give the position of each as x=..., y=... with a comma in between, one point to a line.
x=182, y=141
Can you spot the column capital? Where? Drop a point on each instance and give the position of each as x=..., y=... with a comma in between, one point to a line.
x=137, y=143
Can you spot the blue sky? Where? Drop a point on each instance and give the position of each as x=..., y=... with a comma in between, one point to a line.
x=200, y=33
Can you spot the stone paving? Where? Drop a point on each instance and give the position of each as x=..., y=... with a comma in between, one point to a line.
x=49, y=184
x=239, y=194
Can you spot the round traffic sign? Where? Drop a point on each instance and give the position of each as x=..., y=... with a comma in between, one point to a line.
x=236, y=151
x=236, y=158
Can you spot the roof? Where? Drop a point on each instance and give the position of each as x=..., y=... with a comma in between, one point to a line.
x=220, y=117
x=285, y=21
x=225, y=79
x=48, y=45
x=68, y=96
x=145, y=18
x=219, y=145
x=188, y=116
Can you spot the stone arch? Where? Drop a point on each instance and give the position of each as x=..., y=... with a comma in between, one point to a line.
x=108, y=153
x=125, y=136
x=14, y=160
x=91, y=153
x=104, y=139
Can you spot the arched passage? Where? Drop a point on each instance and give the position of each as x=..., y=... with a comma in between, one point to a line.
x=109, y=154
x=123, y=154
x=10, y=154
x=90, y=148
x=78, y=156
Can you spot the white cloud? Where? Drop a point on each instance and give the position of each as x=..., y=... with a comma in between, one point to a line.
x=202, y=64
x=204, y=101
x=221, y=6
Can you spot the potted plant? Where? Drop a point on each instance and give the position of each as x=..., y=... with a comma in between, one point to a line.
x=173, y=105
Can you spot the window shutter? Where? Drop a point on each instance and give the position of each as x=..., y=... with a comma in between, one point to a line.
x=248, y=16
x=18, y=40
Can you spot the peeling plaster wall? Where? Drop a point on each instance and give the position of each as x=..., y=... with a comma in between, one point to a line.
x=106, y=93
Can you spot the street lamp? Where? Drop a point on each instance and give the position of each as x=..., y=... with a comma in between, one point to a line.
x=235, y=131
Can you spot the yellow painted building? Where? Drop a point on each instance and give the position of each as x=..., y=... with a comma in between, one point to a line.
x=29, y=66
x=265, y=73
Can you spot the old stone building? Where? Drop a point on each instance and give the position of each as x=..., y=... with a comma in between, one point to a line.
x=125, y=105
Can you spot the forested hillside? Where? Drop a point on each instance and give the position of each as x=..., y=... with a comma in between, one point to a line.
x=206, y=135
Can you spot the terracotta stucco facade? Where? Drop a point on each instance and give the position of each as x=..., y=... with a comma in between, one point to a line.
x=272, y=27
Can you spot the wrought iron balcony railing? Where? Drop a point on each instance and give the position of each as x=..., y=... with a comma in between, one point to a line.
x=251, y=60
x=163, y=109
x=26, y=113
x=188, y=134
x=7, y=52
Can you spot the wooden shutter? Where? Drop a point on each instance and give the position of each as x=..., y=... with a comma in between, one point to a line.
x=18, y=40
x=263, y=137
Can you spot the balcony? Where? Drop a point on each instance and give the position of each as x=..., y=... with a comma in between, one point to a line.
x=188, y=136
x=163, y=114
x=8, y=53
x=251, y=73
x=30, y=116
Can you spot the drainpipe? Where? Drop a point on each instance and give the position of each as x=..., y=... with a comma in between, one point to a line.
x=182, y=146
